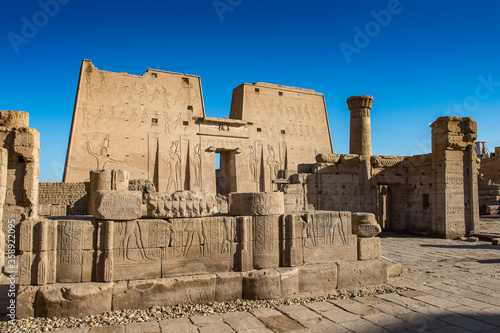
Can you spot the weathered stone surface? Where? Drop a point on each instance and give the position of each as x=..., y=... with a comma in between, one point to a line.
x=289, y=280
x=118, y=205
x=317, y=237
x=182, y=204
x=262, y=284
x=250, y=204
x=266, y=240
x=24, y=302
x=365, y=225
x=14, y=118
x=353, y=274
x=366, y=230
x=328, y=158
x=318, y=278
x=368, y=248
x=164, y=292
x=19, y=167
x=394, y=269
x=228, y=286
x=73, y=300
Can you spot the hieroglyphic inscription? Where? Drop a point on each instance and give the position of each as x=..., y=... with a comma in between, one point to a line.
x=118, y=205
x=324, y=236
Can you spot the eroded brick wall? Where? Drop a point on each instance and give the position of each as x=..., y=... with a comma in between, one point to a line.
x=73, y=195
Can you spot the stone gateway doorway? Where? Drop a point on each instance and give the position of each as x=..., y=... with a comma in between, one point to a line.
x=384, y=206
x=225, y=175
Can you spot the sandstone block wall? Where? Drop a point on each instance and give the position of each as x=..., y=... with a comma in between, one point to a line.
x=64, y=250
x=431, y=194
x=490, y=169
x=71, y=195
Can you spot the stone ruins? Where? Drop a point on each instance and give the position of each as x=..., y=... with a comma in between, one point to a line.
x=489, y=184
x=144, y=218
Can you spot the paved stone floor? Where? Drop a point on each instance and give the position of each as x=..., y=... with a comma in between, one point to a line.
x=489, y=226
x=456, y=289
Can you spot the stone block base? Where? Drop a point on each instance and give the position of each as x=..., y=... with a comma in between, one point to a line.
x=368, y=248
x=81, y=299
x=355, y=274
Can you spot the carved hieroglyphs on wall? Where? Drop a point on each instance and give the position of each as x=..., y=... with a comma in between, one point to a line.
x=154, y=127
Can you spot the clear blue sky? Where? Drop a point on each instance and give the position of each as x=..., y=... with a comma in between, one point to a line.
x=422, y=59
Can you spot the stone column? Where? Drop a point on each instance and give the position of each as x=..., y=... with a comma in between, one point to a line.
x=360, y=143
x=360, y=137
x=454, y=166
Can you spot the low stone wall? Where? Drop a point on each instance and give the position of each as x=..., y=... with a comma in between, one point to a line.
x=81, y=299
x=79, y=266
x=72, y=195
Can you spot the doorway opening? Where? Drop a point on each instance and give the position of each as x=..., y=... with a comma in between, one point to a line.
x=384, y=206
x=225, y=171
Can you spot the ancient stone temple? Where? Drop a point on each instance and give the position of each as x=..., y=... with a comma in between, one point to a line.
x=138, y=220
x=154, y=127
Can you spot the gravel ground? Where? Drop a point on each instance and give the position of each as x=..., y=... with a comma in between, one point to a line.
x=177, y=311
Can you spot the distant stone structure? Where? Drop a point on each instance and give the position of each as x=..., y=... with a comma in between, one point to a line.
x=489, y=184
x=434, y=194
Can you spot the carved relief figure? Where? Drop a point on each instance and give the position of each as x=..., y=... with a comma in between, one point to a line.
x=173, y=163
x=194, y=229
x=197, y=165
x=166, y=97
x=100, y=114
x=88, y=87
x=112, y=88
x=112, y=114
x=272, y=162
x=134, y=117
x=144, y=92
x=103, y=156
x=143, y=120
x=228, y=236
x=254, y=165
x=308, y=231
x=85, y=115
x=123, y=115
x=128, y=230
x=167, y=121
x=155, y=94
x=102, y=84
x=338, y=224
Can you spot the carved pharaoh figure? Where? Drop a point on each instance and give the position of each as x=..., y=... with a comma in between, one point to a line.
x=272, y=162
